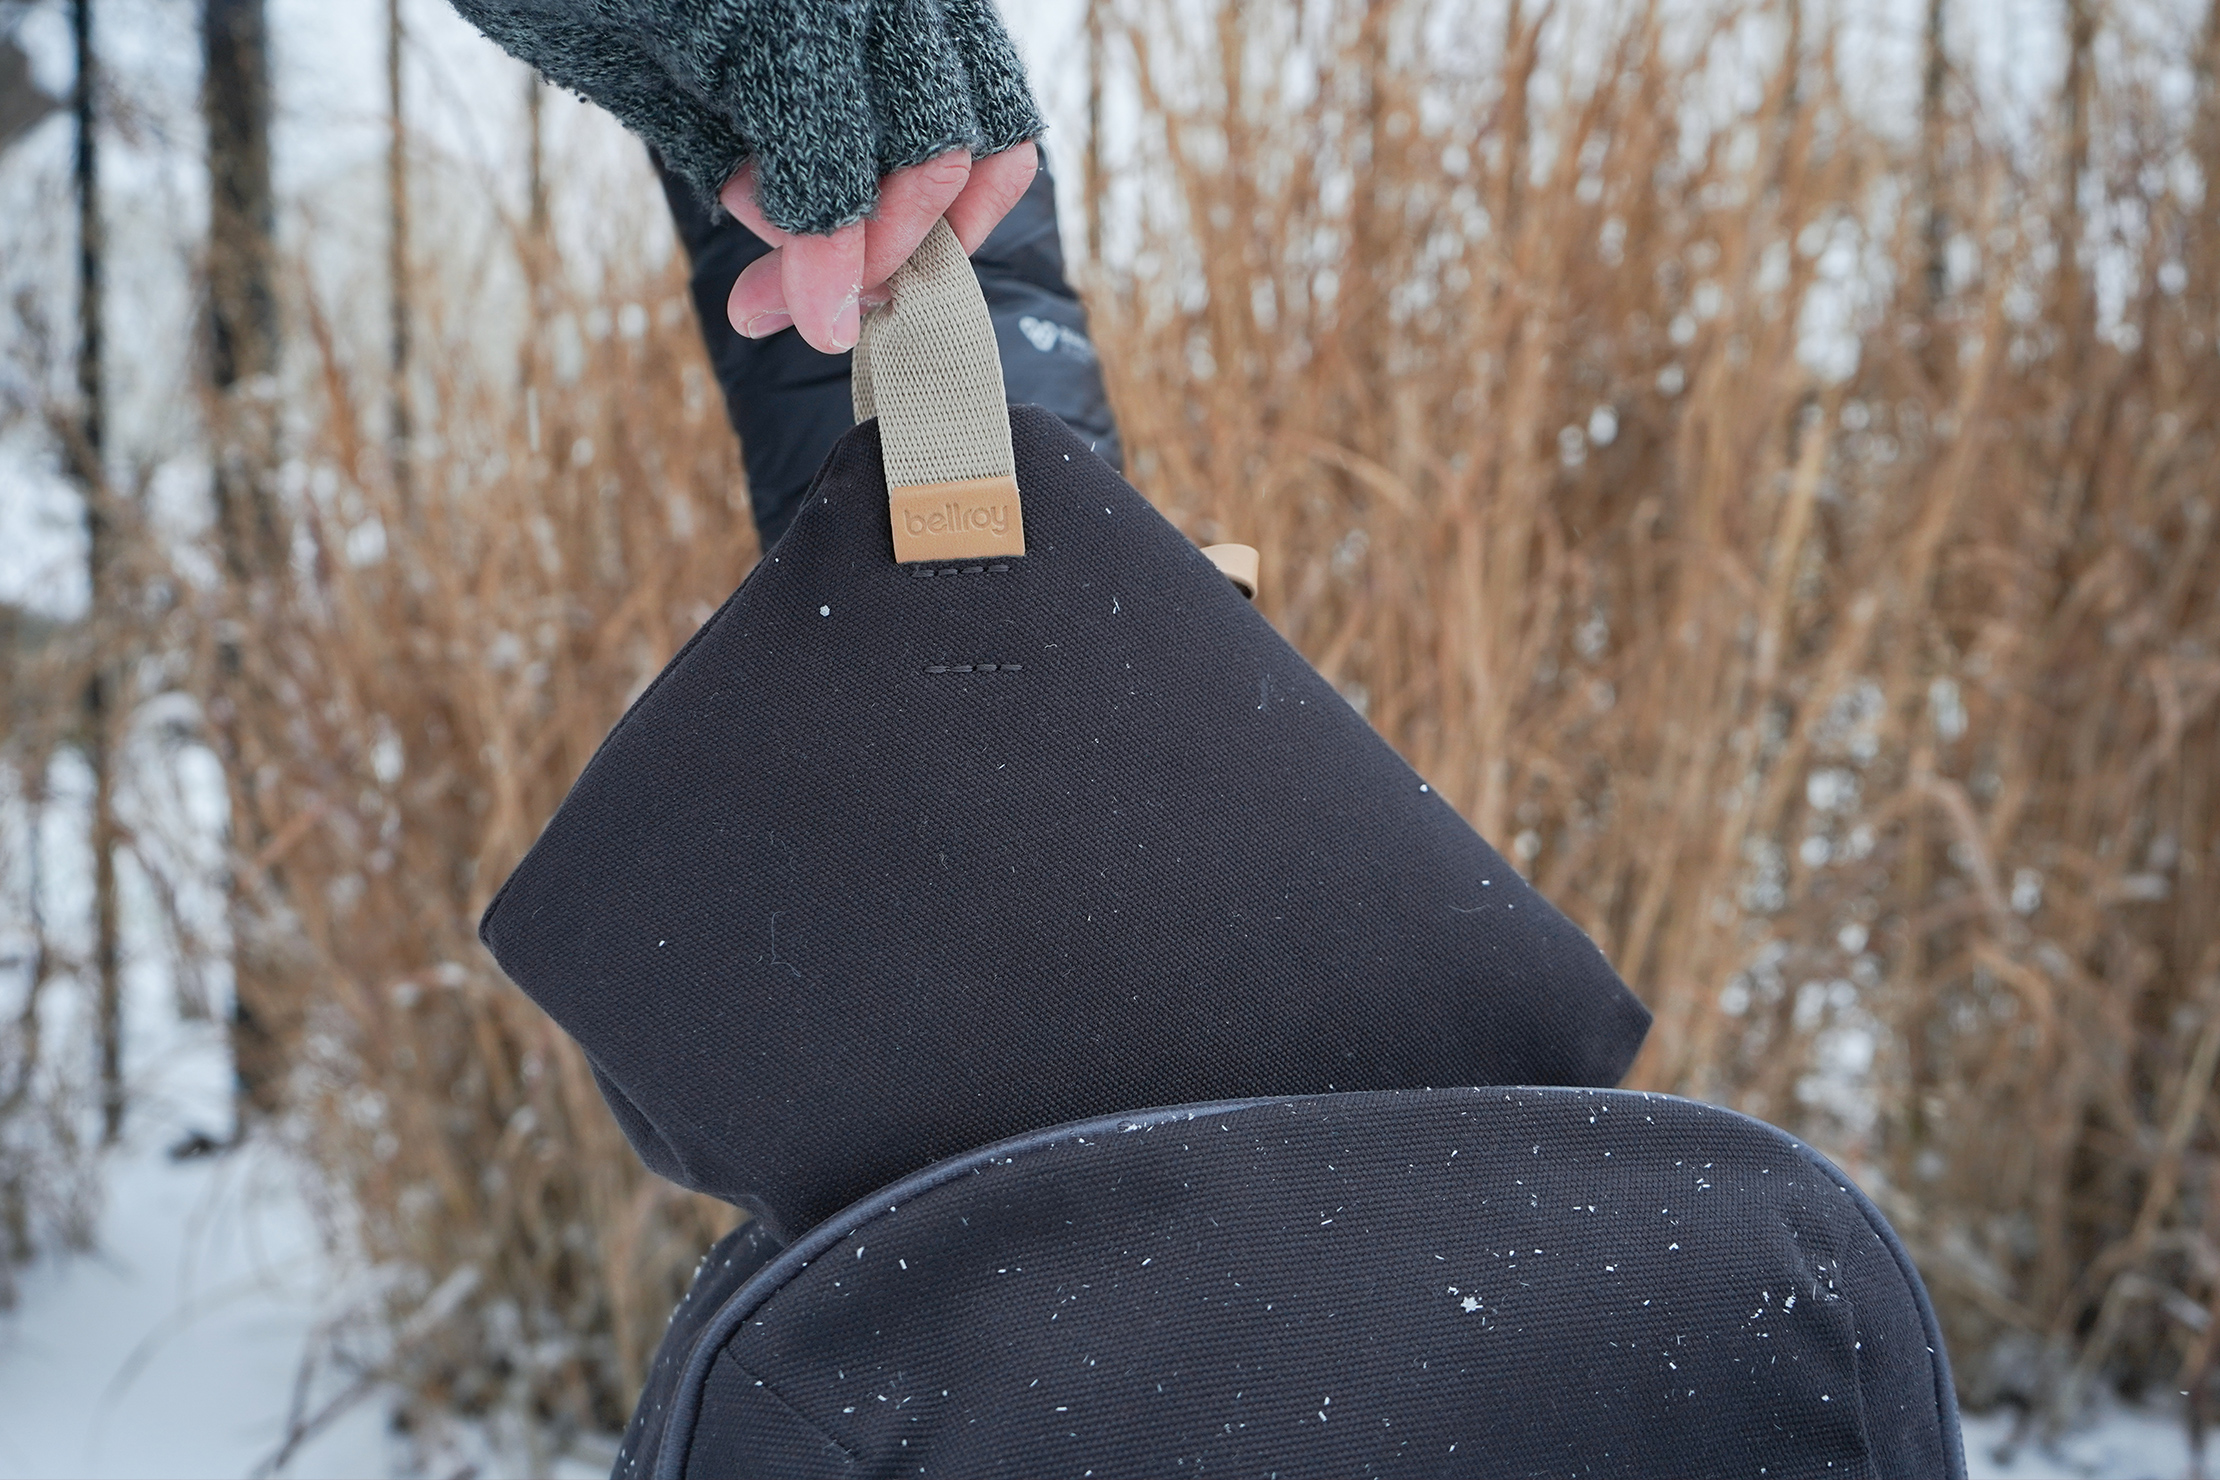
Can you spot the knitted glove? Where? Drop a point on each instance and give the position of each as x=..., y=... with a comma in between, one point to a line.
x=825, y=95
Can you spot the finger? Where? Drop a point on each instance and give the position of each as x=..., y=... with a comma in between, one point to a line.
x=910, y=201
x=757, y=304
x=738, y=196
x=995, y=185
x=823, y=277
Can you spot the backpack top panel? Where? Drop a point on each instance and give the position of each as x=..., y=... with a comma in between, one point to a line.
x=1478, y=1282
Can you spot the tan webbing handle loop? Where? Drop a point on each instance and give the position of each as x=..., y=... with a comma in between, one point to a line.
x=926, y=365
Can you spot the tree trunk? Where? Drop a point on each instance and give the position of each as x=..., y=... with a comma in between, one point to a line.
x=242, y=329
x=1095, y=182
x=1933, y=142
x=241, y=348
x=2204, y=148
x=1521, y=44
x=534, y=93
x=535, y=253
x=2080, y=91
x=397, y=256
x=86, y=441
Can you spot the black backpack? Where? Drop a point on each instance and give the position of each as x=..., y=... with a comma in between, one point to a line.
x=901, y=858
x=1431, y=1282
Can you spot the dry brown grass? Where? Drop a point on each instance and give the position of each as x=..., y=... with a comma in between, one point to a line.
x=1869, y=723
x=1876, y=713
x=414, y=704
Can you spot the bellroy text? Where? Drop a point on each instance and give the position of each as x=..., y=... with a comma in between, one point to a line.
x=955, y=518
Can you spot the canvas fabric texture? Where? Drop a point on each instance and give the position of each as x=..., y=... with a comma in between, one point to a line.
x=890, y=863
x=728, y=1266
x=1489, y=1282
x=826, y=96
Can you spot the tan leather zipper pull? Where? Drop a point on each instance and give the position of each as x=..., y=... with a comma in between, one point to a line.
x=1239, y=562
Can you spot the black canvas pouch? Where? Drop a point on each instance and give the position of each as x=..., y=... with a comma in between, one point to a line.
x=897, y=859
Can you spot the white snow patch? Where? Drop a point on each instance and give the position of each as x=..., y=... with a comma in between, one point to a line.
x=171, y=1349
x=2121, y=1441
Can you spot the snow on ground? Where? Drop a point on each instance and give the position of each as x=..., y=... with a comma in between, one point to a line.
x=172, y=1347
x=2120, y=1442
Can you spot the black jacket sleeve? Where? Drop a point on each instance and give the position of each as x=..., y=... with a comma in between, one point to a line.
x=825, y=95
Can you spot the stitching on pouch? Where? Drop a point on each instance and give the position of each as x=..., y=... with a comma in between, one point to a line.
x=784, y=1402
x=974, y=668
x=926, y=572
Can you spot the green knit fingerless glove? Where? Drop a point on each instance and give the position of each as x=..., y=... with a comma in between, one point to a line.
x=825, y=95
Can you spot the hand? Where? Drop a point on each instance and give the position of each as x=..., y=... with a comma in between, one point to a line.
x=822, y=284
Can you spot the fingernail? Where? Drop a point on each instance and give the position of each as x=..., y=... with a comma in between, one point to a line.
x=847, y=324
x=766, y=323
x=876, y=299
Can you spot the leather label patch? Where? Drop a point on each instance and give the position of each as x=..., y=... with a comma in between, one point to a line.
x=968, y=519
